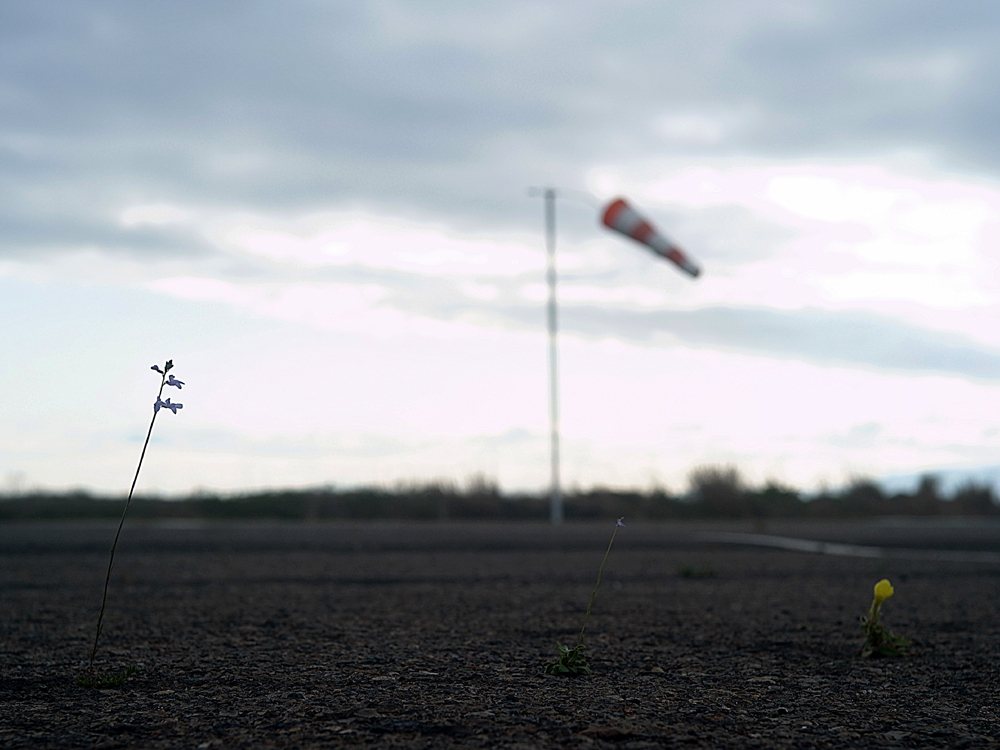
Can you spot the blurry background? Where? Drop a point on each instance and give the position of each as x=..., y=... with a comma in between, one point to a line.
x=318, y=210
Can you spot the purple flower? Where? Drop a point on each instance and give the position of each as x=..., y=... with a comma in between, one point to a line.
x=621, y=521
x=166, y=405
x=171, y=380
x=157, y=368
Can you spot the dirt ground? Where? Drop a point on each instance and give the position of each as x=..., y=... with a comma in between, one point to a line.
x=427, y=636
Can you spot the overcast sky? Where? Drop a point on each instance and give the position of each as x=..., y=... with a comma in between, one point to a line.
x=320, y=212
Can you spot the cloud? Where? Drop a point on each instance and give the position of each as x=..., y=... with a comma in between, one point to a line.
x=824, y=337
x=452, y=110
x=439, y=306
x=357, y=174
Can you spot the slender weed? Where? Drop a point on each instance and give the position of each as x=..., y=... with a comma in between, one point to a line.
x=91, y=679
x=110, y=680
x=878, y=640
x=571, y=662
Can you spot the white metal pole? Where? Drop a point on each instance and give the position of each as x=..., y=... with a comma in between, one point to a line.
x=555, y=496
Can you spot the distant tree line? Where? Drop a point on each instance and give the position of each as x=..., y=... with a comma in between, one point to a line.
x=716, y=492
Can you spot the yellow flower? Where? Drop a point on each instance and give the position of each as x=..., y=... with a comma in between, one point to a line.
x=883, y=590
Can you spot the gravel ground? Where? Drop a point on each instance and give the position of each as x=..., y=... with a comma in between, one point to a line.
x=416, y=636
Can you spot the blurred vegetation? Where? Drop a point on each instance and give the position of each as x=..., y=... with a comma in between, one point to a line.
x=714, y=492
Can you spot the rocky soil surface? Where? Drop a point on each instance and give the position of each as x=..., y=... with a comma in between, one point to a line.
x=428, y=636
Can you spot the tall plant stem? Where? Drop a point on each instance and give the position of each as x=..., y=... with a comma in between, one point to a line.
x=114, y=544
x=597, y=583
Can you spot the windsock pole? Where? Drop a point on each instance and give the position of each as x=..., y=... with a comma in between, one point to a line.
x=555, y=490
x=619, y=216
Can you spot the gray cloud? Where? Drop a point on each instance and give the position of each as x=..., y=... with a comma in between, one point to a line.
x=853, y=338
x=819, y=336
x=451, y=110
x=850, y=339
x=21, y=236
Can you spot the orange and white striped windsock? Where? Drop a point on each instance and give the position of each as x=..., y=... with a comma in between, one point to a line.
x=621, y=217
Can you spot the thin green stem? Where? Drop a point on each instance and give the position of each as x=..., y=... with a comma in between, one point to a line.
x=114, y=544
x=597, y=583
x=874, y=618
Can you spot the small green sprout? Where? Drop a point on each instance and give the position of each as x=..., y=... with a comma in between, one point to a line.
x=112, y=680
x=878, y=640
x=689, y=571
x=571, y=662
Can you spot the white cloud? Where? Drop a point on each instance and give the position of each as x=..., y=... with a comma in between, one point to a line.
x=859, y=236
x=372, y=241
x=817, y=197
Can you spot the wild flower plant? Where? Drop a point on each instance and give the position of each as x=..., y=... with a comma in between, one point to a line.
x=571, y=662
x=113, y=680
x=878, y=640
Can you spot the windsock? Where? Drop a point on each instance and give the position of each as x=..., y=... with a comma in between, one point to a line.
x=621, y=217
